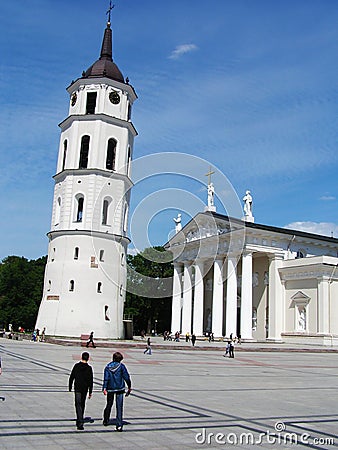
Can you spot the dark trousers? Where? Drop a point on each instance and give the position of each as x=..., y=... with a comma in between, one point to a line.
x=90, y=342
x=119, y=408
x=231, y=352
x=80, y=403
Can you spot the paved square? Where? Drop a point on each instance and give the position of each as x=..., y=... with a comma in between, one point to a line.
x=181, y=399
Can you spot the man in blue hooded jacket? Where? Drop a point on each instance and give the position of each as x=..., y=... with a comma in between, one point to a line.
x=115, y=377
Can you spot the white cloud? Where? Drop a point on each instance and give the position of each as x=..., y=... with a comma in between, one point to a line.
x=323, y=228
x=181, y=50
x=327, y=197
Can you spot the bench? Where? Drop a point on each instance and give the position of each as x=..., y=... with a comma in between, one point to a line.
x=84, y=339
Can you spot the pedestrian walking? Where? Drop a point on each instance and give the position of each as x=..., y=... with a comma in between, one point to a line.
x=148, y=347
x=231, y=349
x=1, y=398
x=43, y=334
x=91, y=340
x=82, y=374
x=227, y=348
x=193, y=339
x=115, y=378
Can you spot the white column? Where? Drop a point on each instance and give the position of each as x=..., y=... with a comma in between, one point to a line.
x=197, y=325
x=231, y=306
x=323, y=305
x=276, y=299
x=187, y=299
x=246, y=297
x=217, y=299
x=176, y=302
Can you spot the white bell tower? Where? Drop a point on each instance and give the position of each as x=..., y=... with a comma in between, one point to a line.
x=85, y=277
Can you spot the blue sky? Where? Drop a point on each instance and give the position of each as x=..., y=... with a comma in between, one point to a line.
x=248, y=86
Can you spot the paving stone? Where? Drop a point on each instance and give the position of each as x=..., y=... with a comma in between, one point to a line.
x=180, y=398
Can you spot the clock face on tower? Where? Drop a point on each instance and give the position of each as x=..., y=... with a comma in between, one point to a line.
x=114, y=98
x=73, y=99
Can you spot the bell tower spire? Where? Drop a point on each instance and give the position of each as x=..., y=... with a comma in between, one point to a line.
x=107, y=47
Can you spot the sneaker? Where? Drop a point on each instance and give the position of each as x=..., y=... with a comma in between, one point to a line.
x=80, y=427
x=119, y=429
x=105, y=423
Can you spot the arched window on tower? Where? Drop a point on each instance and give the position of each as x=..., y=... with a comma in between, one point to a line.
x=76, y=253
x=71, y=285
x=111, y=154
x=84, y=151
x=99, y=286
x=79, y=210
x=65, y=144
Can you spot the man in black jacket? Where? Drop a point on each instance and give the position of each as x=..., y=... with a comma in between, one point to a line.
x=82, y=373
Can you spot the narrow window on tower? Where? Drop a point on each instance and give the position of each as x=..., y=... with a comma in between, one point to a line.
x=76, y=253
x=129, y=111
x=91, y=102
x=111, y=154
x=79, y=212
x=125, y=219
x=99, y=285
x=106, y=312
x=58, y=211
x=71, y=285
x=65, y=144
x=49, y=285
x=128, y=161
x=101, y=255
x=105, y=212
x=84, y=151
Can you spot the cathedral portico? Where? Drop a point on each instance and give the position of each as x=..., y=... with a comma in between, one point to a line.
x=272, y=285
x=231, y=296
x=197, y=327
x=217, y=298
x=246, y=296
x=276, y=303
x=187, y=297
x=177, y=296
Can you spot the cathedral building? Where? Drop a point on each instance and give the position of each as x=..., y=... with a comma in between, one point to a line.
x=85, y=276
x=236, y=277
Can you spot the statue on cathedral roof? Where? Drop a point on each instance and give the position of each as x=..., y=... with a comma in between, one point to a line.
x=178, y=223
x=247, y=199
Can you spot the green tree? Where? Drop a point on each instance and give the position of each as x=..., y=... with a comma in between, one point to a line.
x=21, y=285
x=149, y=289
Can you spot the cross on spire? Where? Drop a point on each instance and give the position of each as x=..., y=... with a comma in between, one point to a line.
x=109, y=10
x=209, y=175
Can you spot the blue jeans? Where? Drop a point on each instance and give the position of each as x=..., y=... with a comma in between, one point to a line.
x=119, y=408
